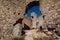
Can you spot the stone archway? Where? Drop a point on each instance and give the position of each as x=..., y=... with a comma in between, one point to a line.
x=33, y=6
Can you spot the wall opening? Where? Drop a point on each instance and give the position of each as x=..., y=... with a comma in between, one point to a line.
x=18, y=21
x=26, y=27
x=37, y=24
x=33, y=7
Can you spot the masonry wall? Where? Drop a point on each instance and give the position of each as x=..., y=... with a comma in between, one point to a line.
x=12, y=10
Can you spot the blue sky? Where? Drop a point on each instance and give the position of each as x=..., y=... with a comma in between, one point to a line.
x=35, y=9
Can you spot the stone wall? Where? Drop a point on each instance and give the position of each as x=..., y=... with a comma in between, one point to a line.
x=12, y=10
x=51, y=12
x=50, y=9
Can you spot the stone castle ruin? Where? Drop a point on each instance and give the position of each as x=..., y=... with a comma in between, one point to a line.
x=15, y=21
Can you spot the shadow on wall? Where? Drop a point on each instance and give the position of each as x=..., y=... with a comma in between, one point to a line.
x=33, y=7
x=18, y=21
x=26, y=27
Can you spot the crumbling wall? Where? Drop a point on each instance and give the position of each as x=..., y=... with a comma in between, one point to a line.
x=51, y=12
x=12, y=10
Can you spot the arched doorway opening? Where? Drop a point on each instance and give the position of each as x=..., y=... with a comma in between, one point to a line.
x=33, y=7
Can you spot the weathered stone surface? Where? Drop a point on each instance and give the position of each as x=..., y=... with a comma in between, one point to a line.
x=16, y=30
x=12, y=10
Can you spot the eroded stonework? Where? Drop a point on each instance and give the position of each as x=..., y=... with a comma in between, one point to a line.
x=12, y=10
